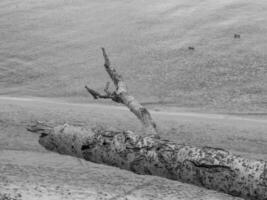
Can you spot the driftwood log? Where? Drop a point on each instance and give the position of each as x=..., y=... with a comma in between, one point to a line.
x=209, y=167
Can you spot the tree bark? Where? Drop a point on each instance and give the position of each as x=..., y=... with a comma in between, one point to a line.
x=121, y=95
x=208, y=167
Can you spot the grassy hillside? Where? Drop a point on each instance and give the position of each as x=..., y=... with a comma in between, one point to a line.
x=51, y=49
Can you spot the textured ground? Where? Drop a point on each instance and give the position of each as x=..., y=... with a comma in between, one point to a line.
x=52, y=48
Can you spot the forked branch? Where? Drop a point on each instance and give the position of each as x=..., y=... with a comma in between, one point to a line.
x=121, y=95
x=108, y=95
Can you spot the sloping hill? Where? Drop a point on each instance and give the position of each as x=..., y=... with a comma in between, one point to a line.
x=51, y=49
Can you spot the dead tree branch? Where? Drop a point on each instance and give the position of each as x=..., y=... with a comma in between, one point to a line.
x=121, y=95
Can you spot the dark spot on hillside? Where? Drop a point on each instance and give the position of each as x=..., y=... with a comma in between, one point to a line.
x=191, y=48
x=237, y=36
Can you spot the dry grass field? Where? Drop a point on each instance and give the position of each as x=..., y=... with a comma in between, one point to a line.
x=213, y=94
x=52, y=48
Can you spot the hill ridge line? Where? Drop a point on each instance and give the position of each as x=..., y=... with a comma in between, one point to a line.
x=166, y=113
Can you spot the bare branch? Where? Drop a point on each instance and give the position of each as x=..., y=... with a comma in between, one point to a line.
x=107, y=62
x=96, y=94
x=115, y=77
x=121, y=95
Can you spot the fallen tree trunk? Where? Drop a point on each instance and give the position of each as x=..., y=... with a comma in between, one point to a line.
x=208, y=167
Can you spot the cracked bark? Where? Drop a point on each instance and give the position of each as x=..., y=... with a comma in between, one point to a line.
x=212, y=168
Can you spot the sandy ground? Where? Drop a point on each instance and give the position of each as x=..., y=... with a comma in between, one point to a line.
x=30, y=172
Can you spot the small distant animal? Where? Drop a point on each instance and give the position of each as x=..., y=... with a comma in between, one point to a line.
x=237, y=36
x=191, y=48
